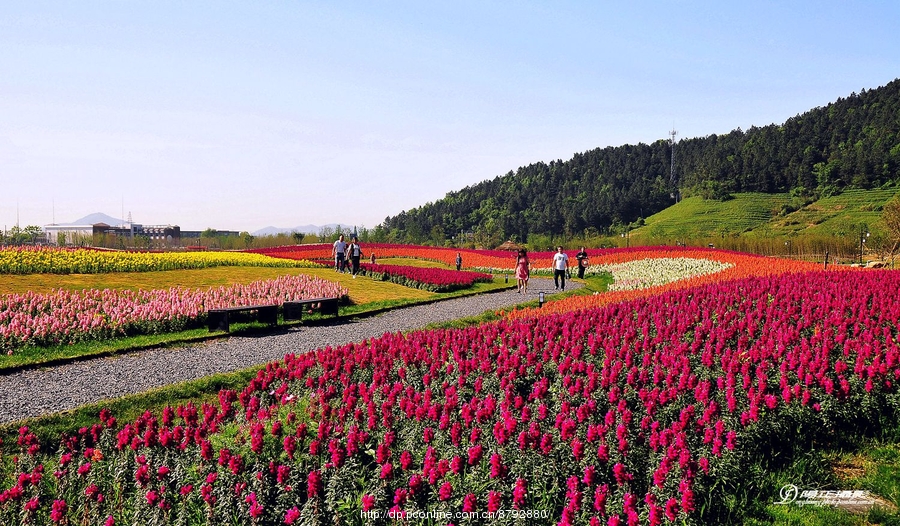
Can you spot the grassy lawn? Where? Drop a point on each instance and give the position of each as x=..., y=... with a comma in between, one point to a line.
x=194, y=278
x=409, y=262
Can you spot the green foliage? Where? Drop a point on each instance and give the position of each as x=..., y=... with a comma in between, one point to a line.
x=19, y=236
x=851, y=143
x=696, y=217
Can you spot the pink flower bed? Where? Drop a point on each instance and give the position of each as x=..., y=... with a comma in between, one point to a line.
x=70, y=316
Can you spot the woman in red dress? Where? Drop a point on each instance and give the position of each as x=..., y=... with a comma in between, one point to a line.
x=522, y=271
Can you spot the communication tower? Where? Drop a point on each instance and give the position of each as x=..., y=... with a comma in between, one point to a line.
x=673, y=182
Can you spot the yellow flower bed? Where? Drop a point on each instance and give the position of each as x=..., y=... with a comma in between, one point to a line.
x=40, y=260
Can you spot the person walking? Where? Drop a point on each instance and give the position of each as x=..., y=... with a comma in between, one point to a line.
x=458, y=261
x=338, y=251
x=523, y=272
x=354, y=252
x=560, y=267
x=582, y=258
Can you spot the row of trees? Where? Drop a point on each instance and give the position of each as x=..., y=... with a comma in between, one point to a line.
x=853, y=142
x=209, y=238
x=17, y=235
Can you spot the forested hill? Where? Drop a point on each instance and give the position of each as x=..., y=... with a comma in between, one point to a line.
x=852, y=142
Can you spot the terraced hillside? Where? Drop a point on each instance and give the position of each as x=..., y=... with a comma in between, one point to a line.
x=695, y=217
x=836, y=215
x=756, y=215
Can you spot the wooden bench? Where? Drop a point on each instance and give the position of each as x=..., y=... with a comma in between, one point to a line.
x=220, y=319
x=293, y=310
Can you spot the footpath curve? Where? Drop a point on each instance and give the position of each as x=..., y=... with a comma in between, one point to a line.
x=37, y=392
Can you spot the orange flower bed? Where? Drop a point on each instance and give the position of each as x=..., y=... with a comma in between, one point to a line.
x=744, y=265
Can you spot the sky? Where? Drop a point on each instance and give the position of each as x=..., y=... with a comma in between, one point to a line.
x=242, y=115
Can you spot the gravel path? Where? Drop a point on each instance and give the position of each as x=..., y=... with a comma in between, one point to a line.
x=38, y=392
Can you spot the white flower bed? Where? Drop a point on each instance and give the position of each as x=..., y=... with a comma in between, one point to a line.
x=644, y=273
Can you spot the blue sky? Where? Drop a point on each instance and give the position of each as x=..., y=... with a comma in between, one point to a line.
x=240, y=115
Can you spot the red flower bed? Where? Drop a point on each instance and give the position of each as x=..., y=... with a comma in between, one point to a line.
x=433, y=279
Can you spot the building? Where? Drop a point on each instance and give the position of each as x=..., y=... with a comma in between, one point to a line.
x=167, y=234
x=69, y=235
x=86, y=235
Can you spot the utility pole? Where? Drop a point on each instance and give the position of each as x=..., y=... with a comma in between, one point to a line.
x=863, y=234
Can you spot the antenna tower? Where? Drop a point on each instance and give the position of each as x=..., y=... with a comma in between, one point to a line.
x=672, y=180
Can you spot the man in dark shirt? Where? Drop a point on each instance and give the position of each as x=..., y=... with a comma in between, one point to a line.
x=582, y=258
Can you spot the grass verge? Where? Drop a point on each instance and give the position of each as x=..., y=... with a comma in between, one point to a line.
x=50, y=427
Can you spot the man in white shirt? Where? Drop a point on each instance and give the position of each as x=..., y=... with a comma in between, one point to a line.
x=338, y=252
x=560, y=266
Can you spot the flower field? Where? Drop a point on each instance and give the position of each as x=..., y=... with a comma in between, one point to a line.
x=64, y=317
x=42, y=260
x=738, y=266
x=431, y=279
x=625, y=413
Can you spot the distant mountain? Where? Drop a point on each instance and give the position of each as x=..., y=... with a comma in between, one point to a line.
x=97, y=217
x=306, y=229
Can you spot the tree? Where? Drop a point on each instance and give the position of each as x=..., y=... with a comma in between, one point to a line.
x=890, y=217
x=437, y=235
x=247, y=239
x=33, y=232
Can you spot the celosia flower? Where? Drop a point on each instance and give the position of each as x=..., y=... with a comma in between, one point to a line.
x=445, y=491
x=292, y=515
x=519, y=493
x=314, y=483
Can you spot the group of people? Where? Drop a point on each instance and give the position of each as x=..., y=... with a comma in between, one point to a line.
x=560, y=268
x=347, y=254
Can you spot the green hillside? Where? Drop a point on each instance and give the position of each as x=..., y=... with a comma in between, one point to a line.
x=766, y=215
x=695, y=217
x=836, y=215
